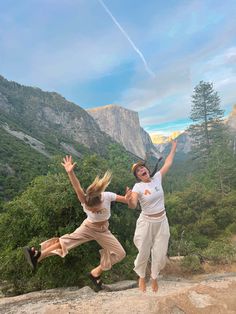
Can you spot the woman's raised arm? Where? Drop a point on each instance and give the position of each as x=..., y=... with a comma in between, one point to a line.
x=169, y=159
x=69, y=167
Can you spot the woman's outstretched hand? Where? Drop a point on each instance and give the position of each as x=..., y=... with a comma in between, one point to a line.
x=128, y=193
x=68, y=164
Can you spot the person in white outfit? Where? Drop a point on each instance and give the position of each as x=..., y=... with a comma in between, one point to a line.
x=152, y=229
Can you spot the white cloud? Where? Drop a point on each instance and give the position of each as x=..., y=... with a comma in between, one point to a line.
x=149, y=93
x=168, y=97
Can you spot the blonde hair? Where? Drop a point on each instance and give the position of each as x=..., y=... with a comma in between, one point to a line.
x=99, y=185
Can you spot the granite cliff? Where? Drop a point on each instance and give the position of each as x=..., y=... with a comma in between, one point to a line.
x=124, y=127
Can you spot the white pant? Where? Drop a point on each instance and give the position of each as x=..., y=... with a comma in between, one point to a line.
x=151, y=237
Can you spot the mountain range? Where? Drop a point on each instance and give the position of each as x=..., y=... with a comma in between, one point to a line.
x=162, y=143
x=36, y=126
x=161, y=139
x=48, y=122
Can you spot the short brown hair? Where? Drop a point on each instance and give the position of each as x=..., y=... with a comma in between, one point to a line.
x=136, y=165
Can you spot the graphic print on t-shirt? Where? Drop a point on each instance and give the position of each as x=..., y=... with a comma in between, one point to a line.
x=100, y=211
x=148, y=192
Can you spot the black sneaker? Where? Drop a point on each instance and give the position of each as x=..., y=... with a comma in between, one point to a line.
x=31, y=256
x=96, y=281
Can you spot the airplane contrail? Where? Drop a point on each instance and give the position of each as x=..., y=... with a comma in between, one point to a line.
x=128, y=38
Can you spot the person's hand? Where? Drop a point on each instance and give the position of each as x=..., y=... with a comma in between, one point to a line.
x=68, y=164
x=128, y=194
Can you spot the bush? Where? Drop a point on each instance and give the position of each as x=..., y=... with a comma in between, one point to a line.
x=232, y=228
x=179, y=247
x=220, y=252
x=207, y=226
x=191, y=264
x=225, y=216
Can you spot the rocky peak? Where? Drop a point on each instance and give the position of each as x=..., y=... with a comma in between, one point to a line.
x=232, y=119
x=163, y=143
x=124, y=127
x=161, y=139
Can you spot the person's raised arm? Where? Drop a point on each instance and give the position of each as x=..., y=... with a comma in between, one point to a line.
x=169, y=159
x=69, y=167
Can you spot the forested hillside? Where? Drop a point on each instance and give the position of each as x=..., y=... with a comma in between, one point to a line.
x=49, y=117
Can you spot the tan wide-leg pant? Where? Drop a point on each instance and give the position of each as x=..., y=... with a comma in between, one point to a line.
x=151, y=238
x=111, y=253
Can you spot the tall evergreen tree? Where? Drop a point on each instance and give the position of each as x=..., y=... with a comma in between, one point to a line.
x=207, y=130
x=211, y=144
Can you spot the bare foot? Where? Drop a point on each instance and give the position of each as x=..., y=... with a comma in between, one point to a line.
x=154, y=285
x=96, y=272
x=142, y=284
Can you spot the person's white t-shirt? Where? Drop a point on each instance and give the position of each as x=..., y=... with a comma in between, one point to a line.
x=150, y=195
x=105, y=212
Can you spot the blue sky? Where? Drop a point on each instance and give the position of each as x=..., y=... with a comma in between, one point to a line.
x=143, y=55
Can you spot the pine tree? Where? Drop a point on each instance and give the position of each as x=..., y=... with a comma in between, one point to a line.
x=211, y=142
x=207, y=130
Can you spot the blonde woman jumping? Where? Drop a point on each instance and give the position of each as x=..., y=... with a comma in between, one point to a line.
x=96, y=204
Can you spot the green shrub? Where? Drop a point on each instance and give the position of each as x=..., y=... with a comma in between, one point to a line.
x=179, y=247
x=220, y=252
x=232, y=228
x=191, y=264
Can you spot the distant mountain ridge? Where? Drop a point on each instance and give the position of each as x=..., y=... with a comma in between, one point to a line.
x=231, y=121
x=162, y=143
x=49, y=118
x=161, y=139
